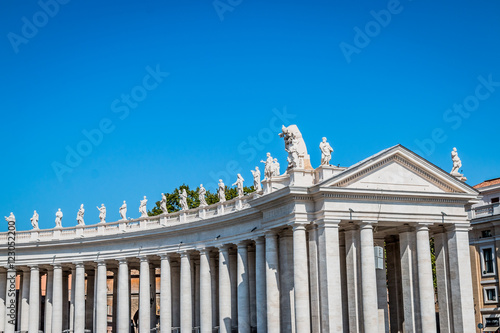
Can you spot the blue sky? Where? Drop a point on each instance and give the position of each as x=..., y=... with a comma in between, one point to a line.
x=176, y=92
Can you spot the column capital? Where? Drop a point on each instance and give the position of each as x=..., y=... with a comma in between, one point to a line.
x=423, y=226
x=34, y=267
x=366, y=224
x=100, y=262
x=184, y=254
x=259, y=240
x=299, y=225
x=462, y=227
x=56, y=266
x=143, y=258
x=122, y=261
x=78, y=264
x=270, y=233
x=327, y=223
x=242, y=245
x=165, y=256
x=223, y=247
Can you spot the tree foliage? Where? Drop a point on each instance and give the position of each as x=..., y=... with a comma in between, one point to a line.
x=193, y=201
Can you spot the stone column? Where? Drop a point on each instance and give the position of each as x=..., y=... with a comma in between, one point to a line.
x=89, y=301
x=79, y=291
x=101, y=299
x=10, y=298
x=394, y=285
x=383, y=315
x=165, y=295
x=186, y=296
x=443, y=282
x=34, y=300
x=251, y=286
x=234, y=289
x=25, y=304
x=368, y=277
x=329, y=275
x=272, y=283
x=301, y=279
x=57, y=299
x=215, y=290
x=123, y=298
x=72, y=301
x=460, y=278
x=285, y=269
x=224, y=291
x=176, y=295
x=425, y=283
x=3, y=294
x=314, y=280
x=407, y=249
x=48, y=300
x=205, y=293
x=260, y=284
x=144, y=290
x=243, y=289
x=152, y=293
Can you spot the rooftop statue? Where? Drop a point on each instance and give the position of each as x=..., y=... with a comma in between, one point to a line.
x=123, y=210
x=10, y=218
x=34, y=220
x=201, y=195
x=102, y=213
x=239, y=184
x=59, y=216
x=296, y=148
x=221, y=191
x=79, y=215
x=326, y=152
x=276, y=168
x=268, y=170
x=142, y=207
x=256, y=179
x=163, y=204
x=457, y=163
x=183, y=199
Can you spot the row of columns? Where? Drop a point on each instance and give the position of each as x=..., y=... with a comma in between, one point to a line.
x=319, y=281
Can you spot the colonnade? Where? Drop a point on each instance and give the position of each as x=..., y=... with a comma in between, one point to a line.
x=302, y=277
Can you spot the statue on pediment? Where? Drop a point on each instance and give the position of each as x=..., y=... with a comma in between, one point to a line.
x=163, y=204
x=59, y=216
x=457, y=163
x=142, y=208
x=202, y=192
x=326, y=152
x=256, y=179
x=79, y=215
x=183, y=199
x=102, y=213
x=34, y=220
x=123, y=210
x=239, y=184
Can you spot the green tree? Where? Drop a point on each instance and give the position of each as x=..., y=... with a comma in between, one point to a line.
x=193, y=201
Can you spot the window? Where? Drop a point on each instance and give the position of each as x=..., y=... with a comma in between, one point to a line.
x=490, y=295
x=486, y=233
x=488, y=260
x=494, y=200
x=491, y=322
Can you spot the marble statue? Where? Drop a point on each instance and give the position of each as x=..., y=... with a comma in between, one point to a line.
x=276, y=167
x=293, y=155
x=202, y=196
x=239, y=184
x=10, y=218
x=295, y=147
x=268, y=170
x=79, y=215
x=457, y=163
x=142, y=207
x=326, y=152
x=163, y=204
x=34, y=220
x=102, y=213
x=221, y=191
x=123, y=210
x=59, y=216
x=256, y=179
x=183, y=199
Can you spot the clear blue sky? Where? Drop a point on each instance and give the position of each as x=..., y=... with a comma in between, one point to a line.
x=229, y=67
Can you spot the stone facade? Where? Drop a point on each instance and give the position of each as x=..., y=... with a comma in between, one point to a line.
x=325, y=250
x=484, y=245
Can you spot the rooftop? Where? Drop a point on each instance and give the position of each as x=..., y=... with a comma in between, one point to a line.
x=489, y=182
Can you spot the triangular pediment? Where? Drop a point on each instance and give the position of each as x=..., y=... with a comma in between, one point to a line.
x=398, y=169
